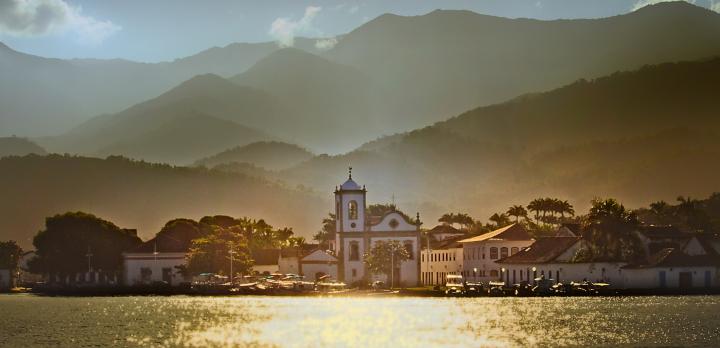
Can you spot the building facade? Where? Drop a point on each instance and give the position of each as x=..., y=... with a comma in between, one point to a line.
x=445, y=256
x=480, y=252
x=356, y=232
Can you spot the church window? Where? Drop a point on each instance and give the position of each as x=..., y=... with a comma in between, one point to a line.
x=493, y=253
x=354, y=251
x=354, y=273
x=393, y=224
x=352, y=210
x=514, y=250
x=503, y=252
x=409, y=248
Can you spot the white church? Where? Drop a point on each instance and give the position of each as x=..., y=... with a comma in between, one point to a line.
x=356, y=232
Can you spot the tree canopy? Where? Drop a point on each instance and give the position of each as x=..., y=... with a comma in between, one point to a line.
x=76, y=242
x=380, y=258
x=10, y=253
x=212, y=252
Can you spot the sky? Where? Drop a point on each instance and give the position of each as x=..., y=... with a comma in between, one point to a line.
x=163, y=30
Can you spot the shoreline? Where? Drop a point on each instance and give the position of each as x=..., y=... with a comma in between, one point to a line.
x=407, y=292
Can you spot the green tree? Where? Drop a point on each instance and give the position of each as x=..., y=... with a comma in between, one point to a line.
x=328, y=230
x=610, y=228
x=10, y=253
x=518, y=211
x=212, y=252
x=383, y=255
x=64, y=245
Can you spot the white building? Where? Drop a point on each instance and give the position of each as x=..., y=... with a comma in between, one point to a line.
x=157, y=260
x=480, y=252
x=694, y=264
x=552, y=258
x=356, y=232
x=319, y=263
x=445, y=256
x=266, y=261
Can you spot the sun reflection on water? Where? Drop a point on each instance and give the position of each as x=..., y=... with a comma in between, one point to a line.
x=360, y=322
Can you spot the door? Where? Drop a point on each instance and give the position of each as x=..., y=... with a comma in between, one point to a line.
x=685, y=280
x=662, y=279
x=708, y=279
x=167, y=275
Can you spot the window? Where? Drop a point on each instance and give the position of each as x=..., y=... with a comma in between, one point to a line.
x=409, y=248
x=354, y=273
x=513, y=250
x=493, y=273
x=493, y=253
x=354, y=251
x=503, y=252
x=145, y=274
x=352, y=210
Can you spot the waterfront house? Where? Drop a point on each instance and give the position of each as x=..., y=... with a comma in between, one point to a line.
x=265, y=261
x=289, y=262
x=319, y=263
x=445, y=256
x=554, y=258
x=695, y=264
x=160, y=259
x=480, y=252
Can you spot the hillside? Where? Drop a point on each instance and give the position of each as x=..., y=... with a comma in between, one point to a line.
x=170, y=128
x=142, y=195
x=446, y=62
x=14, y=146
x=269, y=155
x=638, y=136
x=102, y=86
x=327, y=106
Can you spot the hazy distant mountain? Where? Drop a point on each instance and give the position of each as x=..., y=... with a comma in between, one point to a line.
x=419, y=70
x=198, y=118
x=327, y=106
x=271, y=155
x=15, y=146
x=142, y=195
x=638, y=136
x=186, y=137
x=445, y=62
x=42, y=96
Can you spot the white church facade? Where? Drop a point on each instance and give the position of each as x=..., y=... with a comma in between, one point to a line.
x=357, y=231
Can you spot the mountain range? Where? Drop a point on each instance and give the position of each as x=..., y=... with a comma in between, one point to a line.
x=468, y=113
x=390, y=75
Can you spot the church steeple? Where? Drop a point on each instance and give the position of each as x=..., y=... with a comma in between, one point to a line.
x=350, y=206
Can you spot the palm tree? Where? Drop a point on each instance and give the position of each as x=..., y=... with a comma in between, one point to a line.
x=500, y=220
x=565, y=207
x=517, y=211
x=535, y=206
x=610, y=227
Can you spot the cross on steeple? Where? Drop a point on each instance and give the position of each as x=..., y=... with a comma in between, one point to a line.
x=350, y=173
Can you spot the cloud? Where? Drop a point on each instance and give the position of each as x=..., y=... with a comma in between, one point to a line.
x=326, y=44
x=48, y=17
x=284, y=30
x=642, y=3
x=715, y=6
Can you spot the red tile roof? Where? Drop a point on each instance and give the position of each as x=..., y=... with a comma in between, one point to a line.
x=511, y=232
x=265, y=257
x=544, y=250
x=674, y=257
